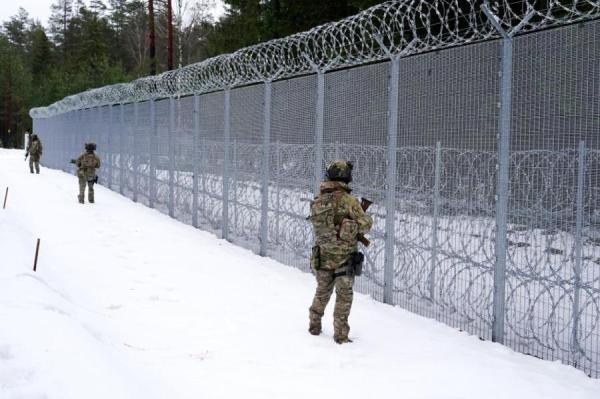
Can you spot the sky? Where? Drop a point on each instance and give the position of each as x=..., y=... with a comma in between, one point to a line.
x=40, y=9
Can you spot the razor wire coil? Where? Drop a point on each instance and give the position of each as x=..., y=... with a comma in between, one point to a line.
x=391, y=29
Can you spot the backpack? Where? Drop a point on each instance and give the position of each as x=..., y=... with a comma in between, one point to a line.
x=323, y=212
x=35, y=148
x=335, y=234
x=89, y=161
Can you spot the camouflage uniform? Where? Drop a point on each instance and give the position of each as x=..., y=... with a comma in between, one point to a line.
x=87, y=163
x=34, y=149
x=337, y=219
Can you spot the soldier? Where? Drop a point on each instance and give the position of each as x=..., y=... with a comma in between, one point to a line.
x=34, y=151
x=87, y=163
x=337, y=220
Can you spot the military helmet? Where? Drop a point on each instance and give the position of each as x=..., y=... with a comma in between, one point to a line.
x=90, y=146
x=339, y=170
x=34, y=137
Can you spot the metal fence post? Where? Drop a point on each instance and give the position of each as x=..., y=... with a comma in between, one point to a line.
x=503, y=167
x=105, y=129
x=74, y=144
x=278, y=185
x=319, y=121
x=226, y=165
x=575, y=348
x=109, y=146
x=196, y=160
x=234, y=185
x=502, y=193
x=264, y=219
x=74, y=136
x=134, y=151
x=121, y=149
x=391, y=181
x=62, y=154
x=434, y=226
x=69, y=139
x=319, y=125
x=153, y=154
x=99, y=140
x=203, y=157
x=171, y=135
x=77, y=134
x=65, y=134
x=50, y=127
x=62, y=134
x=66, y=137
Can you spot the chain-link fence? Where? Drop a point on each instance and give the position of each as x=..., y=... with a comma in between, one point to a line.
x=474, y=127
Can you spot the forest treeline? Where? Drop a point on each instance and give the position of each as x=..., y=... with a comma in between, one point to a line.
x=93, y=43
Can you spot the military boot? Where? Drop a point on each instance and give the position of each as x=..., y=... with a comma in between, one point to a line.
x=315, y=326
x=340, y=332
x=341, y=340
x=80, y=198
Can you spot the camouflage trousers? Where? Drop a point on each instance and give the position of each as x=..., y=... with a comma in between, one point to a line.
x=343, y=302
x=34, y=162
x=90, y=184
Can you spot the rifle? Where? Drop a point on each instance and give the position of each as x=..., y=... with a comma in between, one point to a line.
x=26, y=155
x=364, y=204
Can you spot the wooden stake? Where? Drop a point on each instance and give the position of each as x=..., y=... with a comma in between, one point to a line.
x=37, y=251
x=5, y=197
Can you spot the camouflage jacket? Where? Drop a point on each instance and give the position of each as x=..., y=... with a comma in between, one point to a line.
x=337, y=219
x=34, y=149
x=87, y=163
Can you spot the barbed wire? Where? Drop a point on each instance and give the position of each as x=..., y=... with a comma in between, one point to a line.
x=391, y=29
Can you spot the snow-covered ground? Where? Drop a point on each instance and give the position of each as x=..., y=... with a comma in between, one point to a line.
x=128, y=303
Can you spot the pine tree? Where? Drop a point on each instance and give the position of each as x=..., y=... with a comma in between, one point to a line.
x=40, y=52
x=62, y=11
x=16, y=29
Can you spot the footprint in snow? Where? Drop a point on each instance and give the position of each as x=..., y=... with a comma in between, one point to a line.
x=199, y=356
x=5, y=353
x=156, y=298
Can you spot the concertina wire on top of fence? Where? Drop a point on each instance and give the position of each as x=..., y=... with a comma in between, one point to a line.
x=393, y=28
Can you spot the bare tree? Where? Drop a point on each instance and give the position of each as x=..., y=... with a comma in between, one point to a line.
x=190, y=20
x=189, y=17
x=169, y=35
x=152, y=37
